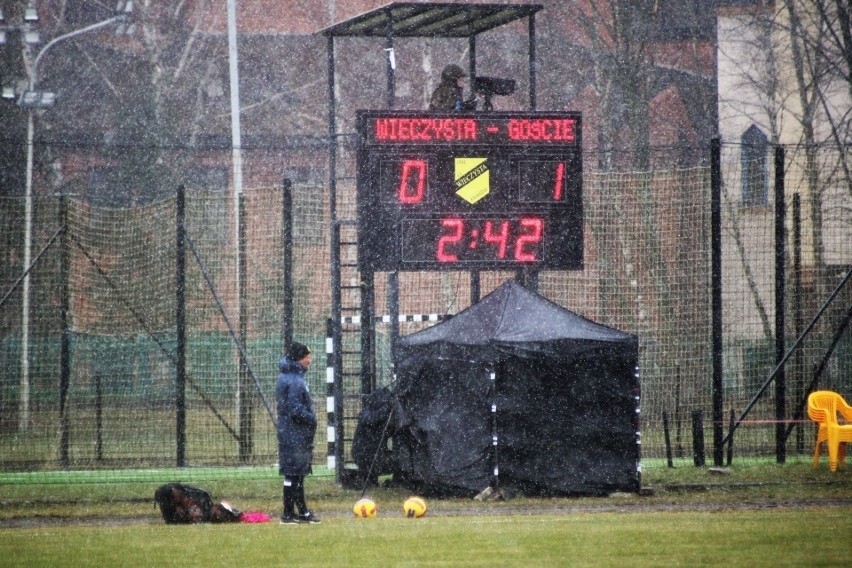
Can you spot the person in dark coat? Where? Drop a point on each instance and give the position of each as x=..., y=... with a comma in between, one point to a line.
x=297, y=424
x=449, y=93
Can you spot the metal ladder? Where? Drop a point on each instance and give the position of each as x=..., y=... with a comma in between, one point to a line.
x=352, y=315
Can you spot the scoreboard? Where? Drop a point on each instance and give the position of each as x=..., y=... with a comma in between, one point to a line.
x=496, y=191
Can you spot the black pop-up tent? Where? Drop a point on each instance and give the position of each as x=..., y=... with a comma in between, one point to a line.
x=518, y=392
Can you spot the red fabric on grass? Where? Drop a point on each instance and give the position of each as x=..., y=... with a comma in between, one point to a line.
x=254, y=518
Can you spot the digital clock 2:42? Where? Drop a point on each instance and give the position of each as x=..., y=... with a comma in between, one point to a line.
x=480, y=239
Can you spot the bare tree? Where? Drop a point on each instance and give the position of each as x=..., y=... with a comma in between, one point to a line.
x=624, y=38
x=819, y=48
x=621, y=34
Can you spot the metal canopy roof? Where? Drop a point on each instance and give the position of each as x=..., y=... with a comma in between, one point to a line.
x=405, y=19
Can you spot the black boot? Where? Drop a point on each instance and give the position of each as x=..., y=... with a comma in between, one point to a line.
x=305, y=515
x=288, y=497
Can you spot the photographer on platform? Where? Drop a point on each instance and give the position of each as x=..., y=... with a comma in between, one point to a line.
x=449, y=95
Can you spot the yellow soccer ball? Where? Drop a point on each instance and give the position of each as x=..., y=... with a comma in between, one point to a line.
x=365, y=508
x=414, y=507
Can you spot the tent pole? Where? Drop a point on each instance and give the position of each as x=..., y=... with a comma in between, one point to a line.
x=495, y=463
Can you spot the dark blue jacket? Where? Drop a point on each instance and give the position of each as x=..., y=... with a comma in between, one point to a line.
x=297, y=422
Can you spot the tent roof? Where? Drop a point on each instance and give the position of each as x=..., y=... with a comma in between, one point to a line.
x=513, y=314
x=431, y=19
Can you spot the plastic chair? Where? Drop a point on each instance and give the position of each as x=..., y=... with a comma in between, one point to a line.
x=823, y=407
x=818, y=416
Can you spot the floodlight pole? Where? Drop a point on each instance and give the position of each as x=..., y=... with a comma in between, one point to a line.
x=32, y=79
x=234, y=75
x=24, y=408
x=243, y=406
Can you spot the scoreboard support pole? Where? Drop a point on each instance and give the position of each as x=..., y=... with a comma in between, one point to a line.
x=528, y=278
x=393, y=311
x=390, y=64
x=368, y=332
x=475, y=289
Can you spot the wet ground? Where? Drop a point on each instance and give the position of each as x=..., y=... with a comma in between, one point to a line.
x=627, y=503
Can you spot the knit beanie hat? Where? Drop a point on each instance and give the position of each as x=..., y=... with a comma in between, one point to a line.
x=297, y=351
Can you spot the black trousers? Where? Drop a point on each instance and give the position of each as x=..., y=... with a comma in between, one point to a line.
x=294, y=494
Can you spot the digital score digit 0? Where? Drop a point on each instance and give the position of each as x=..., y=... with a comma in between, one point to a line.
x=469, y=192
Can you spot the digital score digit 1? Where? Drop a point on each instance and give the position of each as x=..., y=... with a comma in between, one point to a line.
x=560, y=181
x=543, y=181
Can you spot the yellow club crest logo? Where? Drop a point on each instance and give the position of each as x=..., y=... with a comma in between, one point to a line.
x=472, y=178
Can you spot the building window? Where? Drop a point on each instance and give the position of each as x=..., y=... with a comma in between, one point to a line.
x=755, y=176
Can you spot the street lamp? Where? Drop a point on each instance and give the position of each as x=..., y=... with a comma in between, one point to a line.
x=31, y=99
x=29, y=34
x=30, y=13
x=36, y=99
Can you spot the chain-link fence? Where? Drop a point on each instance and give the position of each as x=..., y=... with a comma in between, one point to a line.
x=108, y=270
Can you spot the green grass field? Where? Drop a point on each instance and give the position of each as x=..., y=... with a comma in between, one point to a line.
x=812, y=537
x=758, y=514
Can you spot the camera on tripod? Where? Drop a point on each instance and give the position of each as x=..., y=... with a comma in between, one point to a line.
x=489, y=86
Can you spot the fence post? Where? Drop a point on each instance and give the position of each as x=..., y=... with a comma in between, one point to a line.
x=678, y=417
x=667, y=439
x=64, y=346
x=798, y=363
x=287, y=245
x=716, y=294
x=180, y=326
x=246, y=408
x=780, y=303
x=99, y=418
x=731, y=438
x=698, y=438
